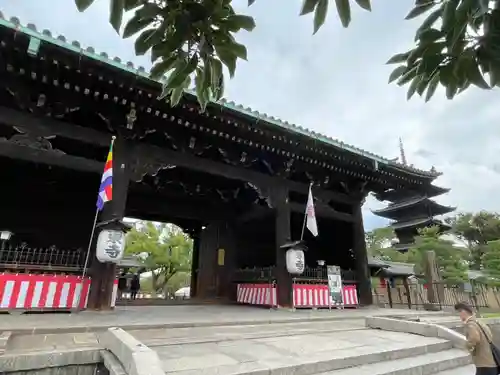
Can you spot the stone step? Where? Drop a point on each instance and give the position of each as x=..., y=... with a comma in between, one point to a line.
x=425, y=364
x=463, y=370
x=331, y=362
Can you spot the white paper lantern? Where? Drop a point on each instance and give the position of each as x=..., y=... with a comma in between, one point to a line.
x=295, y=261
x=110, y=246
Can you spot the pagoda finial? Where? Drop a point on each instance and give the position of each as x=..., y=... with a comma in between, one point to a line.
x=402, y=151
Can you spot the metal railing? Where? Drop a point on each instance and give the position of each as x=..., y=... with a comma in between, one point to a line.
x=41, y=259
x=311, y=275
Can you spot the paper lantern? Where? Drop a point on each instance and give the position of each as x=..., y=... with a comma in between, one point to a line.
x=110, y=246
x=295, y=261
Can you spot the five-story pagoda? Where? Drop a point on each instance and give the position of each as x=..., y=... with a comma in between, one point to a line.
x=412, y=210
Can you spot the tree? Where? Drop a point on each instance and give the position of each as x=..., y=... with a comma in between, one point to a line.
x=492, y=263
x=163, y=249
x=378, y=245
x=456, y=44
x=450, y=260
x=476, y=230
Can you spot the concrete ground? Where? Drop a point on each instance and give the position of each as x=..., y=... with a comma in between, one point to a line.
x=138, y=317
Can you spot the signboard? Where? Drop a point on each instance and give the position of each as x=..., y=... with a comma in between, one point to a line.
x=335, y=285
x=221, y=255
x=110, y=246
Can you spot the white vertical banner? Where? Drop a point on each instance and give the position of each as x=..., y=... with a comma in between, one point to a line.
x=311, y=223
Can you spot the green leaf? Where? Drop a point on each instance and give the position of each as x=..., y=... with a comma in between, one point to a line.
x=431, y=89
x=216, y=73
x=424, y=81
x=429, y=22
x=237, y=49
x=396, y=73
x=308, y=6
x=320, y=15
x=136, y=24
x=201, y=87
x=398, y=58
x=116, y=13
x=176, y=95
x=413, y=87
x=407, y=76
x=365, y=4
x=229, y=60
x=142, y=44
x=475, y=76
x=450, y=6
x=206, y=82
x=451, y=91
x=82, y=5
x=344, y=11
x=418, y=10
x=430, y=35
x=172, y=43
x=238, y=22
x=216, y=76
x=494, y=73
x=182, y=70
x=131, y=4
x=160, y=68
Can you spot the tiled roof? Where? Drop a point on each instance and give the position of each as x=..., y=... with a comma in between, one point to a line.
x=46, y=36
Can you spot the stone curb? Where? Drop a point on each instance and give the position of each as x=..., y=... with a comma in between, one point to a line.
x=17, y=362
x=418, y=328
x=141, y=326
x=112, y=364
x=4, y=339
x=135, y=357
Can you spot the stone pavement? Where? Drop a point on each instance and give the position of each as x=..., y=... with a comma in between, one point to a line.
x=138, y=317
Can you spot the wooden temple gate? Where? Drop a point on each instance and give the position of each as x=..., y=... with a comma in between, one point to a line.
x=232, y=178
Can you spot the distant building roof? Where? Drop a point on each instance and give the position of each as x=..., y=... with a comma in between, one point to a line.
x=129, y=261
x=388, y=268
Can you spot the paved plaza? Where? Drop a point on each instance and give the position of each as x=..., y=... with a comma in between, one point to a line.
x=183, y=316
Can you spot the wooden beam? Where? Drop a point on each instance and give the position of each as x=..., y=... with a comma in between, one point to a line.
x=256, y=212
x=30, y=154
x=47, y=126
x=137, y=206
x=54, y=127
x=321, y=211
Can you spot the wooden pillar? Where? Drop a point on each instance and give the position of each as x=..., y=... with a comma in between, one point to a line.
x=206, y=280
x=195, y=264
x=103, y=274
x=283, y=235
x=359, y=248
x=226, y=261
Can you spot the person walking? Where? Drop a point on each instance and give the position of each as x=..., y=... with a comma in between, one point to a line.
x=135, y=286
x=479, y=339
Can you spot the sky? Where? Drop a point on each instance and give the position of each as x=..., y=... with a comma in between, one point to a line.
x=335, y=83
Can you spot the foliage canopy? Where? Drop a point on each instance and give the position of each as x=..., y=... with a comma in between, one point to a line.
x=190, y=41
x=163, y=249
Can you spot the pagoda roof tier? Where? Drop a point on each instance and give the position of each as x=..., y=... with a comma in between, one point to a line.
x=417, y=206
x=398, y=195
x=135, y=84
x=419, y=223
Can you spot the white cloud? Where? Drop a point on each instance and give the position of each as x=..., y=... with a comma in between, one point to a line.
x=336, y=83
